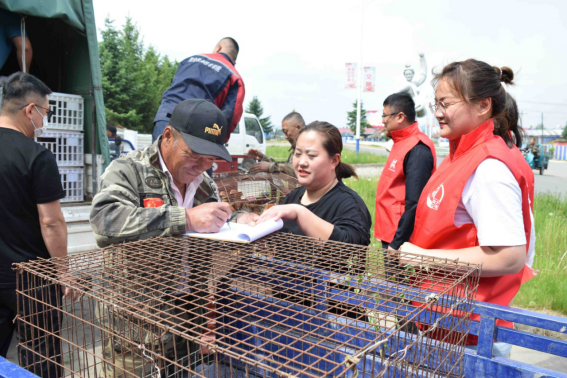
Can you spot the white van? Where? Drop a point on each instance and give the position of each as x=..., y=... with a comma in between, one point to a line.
x=248, y=134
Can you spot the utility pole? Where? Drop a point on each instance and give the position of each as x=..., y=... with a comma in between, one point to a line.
x=358, y=106
x=542, y=129
x=360, y=69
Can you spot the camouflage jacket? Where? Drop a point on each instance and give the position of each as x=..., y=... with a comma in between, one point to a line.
x=118, y=213
x=283, y=167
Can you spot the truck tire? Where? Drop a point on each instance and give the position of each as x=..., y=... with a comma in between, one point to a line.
x=541, y=170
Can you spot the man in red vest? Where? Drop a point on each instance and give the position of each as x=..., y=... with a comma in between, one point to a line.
x=411, y=163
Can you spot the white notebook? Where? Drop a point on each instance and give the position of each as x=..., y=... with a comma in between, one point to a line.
x=241, y=233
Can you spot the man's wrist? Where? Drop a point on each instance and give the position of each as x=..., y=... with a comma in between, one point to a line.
x=178, y=220
x=188, y=223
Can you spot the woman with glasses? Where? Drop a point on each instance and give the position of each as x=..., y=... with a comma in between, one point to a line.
x=475, y=207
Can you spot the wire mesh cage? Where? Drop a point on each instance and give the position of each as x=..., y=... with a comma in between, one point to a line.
x=254, y=192
x=283, y=306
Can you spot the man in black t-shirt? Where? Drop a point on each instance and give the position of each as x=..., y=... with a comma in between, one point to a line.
x=32, y=224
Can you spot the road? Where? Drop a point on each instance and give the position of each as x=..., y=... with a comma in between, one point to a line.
x=554, y=180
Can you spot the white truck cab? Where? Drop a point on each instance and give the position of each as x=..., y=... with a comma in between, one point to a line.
x=248, y=134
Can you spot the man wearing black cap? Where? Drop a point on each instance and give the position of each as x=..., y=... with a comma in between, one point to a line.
x=170, y=170
x=129, y=207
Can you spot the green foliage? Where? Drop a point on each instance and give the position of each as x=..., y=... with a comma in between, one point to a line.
x=255, y=107
x=542, y=292
x=351, y=118
x=539, y=126
x=564, y=133
x=133, y=77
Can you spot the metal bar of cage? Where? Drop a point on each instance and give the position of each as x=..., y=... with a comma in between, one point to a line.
x=254, y=192
x=285, y=305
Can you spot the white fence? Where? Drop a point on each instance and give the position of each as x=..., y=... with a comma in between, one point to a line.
x=560, y=152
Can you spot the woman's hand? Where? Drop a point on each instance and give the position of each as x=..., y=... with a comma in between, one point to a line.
x=249, y=218
x=283, y=212
x=412, y=248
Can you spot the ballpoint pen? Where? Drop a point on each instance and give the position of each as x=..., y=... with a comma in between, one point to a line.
x=216, y=192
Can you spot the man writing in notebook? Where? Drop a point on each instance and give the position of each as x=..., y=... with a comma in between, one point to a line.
x=172, y=170
x=163, y=190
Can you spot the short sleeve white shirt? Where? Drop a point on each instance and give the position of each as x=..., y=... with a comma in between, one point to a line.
x=492, y=201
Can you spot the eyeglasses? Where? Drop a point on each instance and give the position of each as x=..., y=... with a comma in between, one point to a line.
x=391, y=114
x=433, y=106
x=50, y=113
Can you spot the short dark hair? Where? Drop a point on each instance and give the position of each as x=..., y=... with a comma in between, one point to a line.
x=401, y=102
x=21, y=88
x=111, y=128
x=234, y=49
x=294, y=116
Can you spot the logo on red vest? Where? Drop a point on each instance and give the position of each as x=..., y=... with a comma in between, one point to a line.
x=393, y=166
x=434, y=199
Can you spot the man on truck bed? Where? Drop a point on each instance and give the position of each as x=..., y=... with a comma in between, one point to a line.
x=209, y=77
x=10, y=37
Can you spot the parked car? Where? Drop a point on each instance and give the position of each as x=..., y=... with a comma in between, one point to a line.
x=248, y=134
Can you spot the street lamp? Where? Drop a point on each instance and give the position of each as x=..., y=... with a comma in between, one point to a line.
x=360, y=69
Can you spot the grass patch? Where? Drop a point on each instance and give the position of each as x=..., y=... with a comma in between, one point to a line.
x=280, y=153
x=545, y=291
x=366, y=188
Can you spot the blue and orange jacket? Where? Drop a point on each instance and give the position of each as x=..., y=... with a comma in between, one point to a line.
x=210, y=77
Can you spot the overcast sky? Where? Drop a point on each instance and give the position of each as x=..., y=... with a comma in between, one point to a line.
x=293, y=53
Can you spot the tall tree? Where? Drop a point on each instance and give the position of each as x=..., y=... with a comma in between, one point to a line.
x=351, y=118
x=255, y=107
x=133, y=77
x=564, y=133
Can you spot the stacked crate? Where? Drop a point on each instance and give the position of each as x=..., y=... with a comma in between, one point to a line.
x=64, y=137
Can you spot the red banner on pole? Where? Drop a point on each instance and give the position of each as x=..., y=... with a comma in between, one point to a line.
x=350, y=71
x=369, y=79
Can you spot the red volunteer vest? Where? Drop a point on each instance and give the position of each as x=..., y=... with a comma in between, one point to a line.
x=435, y=216
x=391, y=190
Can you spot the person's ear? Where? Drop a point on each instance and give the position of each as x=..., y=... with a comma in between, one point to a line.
x=217, y=48
x=485, y=106
x=167, y=138
x=400, y=117
x=29, y=110
x=336, y=160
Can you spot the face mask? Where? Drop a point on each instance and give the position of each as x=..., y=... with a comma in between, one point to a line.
x=39, y=132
